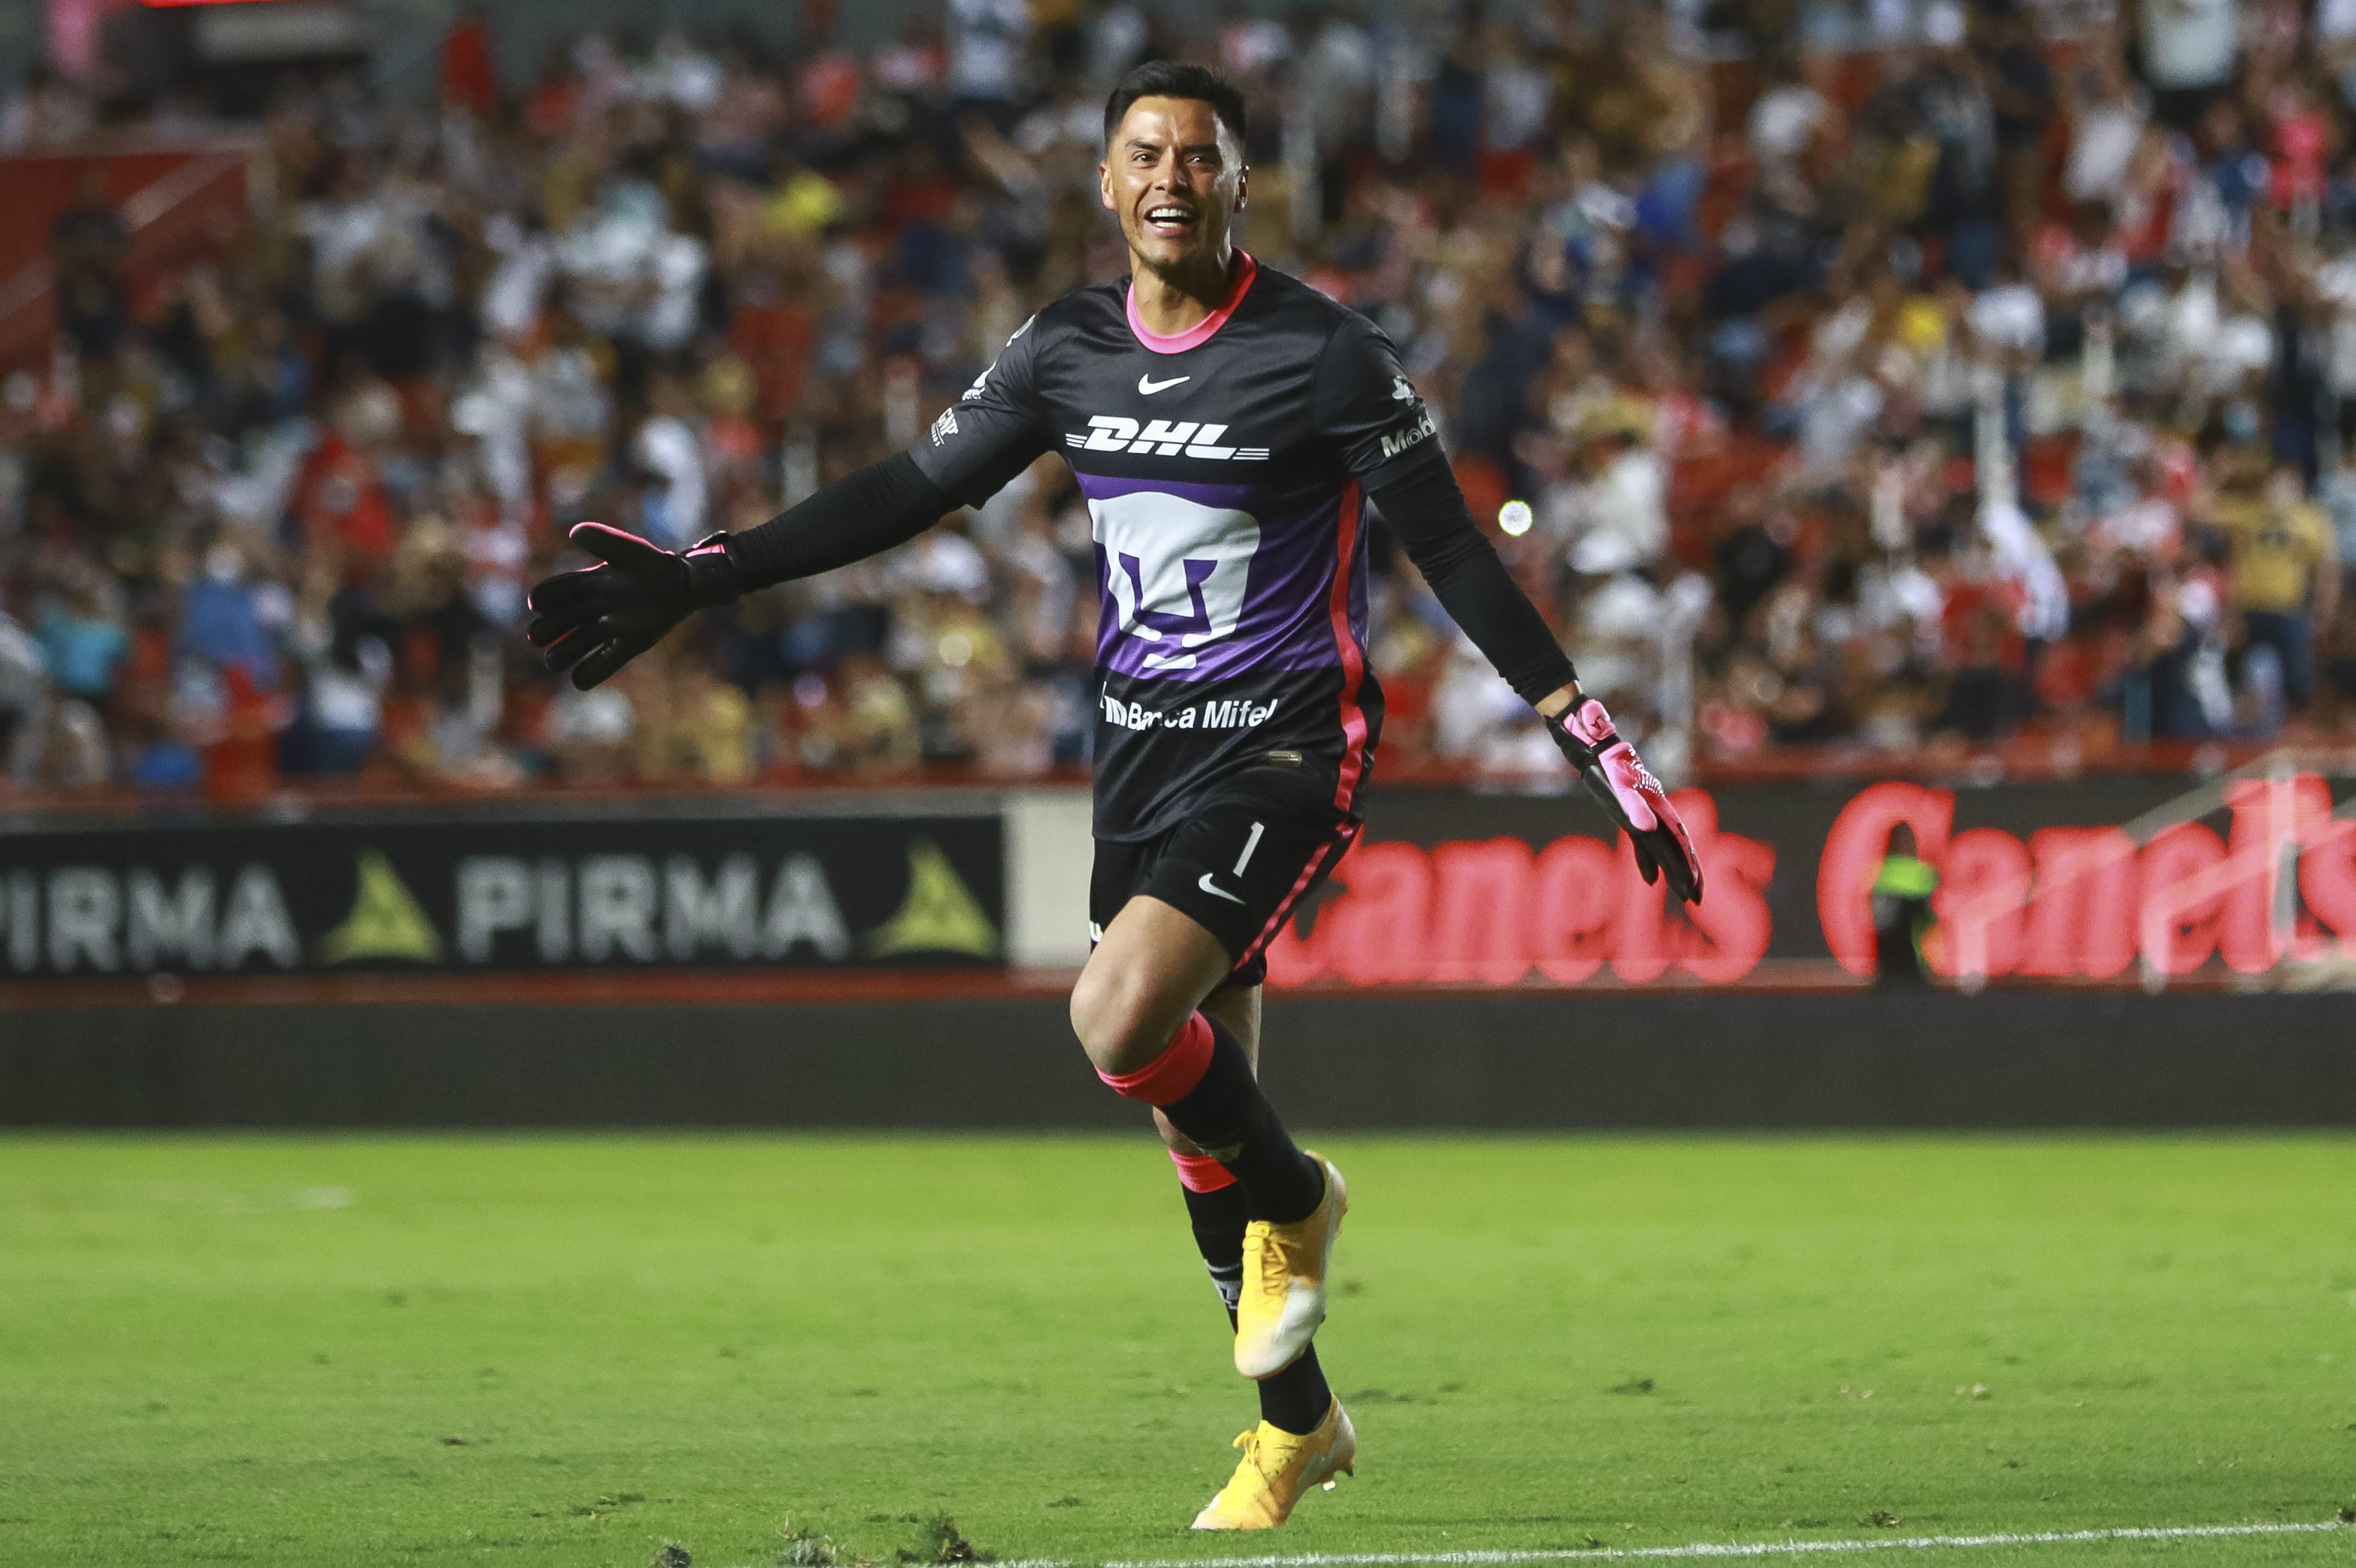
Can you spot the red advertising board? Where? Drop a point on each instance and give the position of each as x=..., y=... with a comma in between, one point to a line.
x=2112, y=880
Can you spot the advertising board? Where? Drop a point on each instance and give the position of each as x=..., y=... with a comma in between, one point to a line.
x=2116, y=879
x=453, y=894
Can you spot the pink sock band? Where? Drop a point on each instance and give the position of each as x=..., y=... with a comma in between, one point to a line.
x=1171, y=1076
x=1200, y=1173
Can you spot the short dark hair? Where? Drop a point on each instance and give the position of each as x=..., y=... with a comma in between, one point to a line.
x=1176, y=79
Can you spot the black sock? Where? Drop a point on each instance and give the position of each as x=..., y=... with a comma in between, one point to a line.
x=1219, y=1219
x=1229, y=1119
x=1296, y=1399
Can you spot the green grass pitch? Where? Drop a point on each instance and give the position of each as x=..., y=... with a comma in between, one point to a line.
x=520, y=1350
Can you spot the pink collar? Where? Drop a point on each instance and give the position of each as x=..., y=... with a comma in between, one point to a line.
x=1200, y=333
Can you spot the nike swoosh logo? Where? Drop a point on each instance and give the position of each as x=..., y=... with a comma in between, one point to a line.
x=1217, y=892
x=1149, y=386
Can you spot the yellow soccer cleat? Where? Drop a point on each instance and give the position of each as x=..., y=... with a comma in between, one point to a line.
x=1277, y=1467
x=1284, y=1282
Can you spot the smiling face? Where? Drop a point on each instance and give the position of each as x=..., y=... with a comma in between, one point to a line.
x=1174, y=177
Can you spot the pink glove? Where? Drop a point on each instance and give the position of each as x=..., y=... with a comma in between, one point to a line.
x=1626, y=787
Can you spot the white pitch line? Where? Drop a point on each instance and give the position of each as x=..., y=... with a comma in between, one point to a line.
x=1698, y=1549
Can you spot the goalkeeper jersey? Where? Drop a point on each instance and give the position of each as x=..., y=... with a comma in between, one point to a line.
x=1224, y=471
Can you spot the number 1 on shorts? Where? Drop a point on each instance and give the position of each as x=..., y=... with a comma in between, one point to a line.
x=1250, y=843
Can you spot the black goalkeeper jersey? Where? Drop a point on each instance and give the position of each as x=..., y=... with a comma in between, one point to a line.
x=1225, y=470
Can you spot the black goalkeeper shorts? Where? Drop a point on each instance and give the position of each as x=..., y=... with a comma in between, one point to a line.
x=1238, y=866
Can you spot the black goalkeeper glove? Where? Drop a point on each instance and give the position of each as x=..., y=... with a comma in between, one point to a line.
x=1626, y=788
x=596, y=620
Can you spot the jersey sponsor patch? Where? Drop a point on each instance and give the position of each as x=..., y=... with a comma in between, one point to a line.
x=1399, y=441
x=945, y=426
x=1163, y=438
x=1226, y=713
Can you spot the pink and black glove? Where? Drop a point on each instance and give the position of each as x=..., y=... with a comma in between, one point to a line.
x=1626, y=787
x=596, y=620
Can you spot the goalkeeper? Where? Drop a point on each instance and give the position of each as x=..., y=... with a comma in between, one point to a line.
x=1226, y=425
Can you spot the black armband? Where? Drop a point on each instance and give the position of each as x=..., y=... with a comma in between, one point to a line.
x=1428, y=512
x=882, y=505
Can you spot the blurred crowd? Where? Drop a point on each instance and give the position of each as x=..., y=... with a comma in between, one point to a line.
x=1884, y=375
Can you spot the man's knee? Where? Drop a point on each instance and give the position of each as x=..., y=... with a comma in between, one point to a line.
x=1117, y=1019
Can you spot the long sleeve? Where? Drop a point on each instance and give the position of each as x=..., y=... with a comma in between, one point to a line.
x=977, y=444
x=882, y=505
x=1428, y=512
x=1377, y=421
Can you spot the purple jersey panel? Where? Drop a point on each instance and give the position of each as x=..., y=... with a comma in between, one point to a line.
x=1203, y=582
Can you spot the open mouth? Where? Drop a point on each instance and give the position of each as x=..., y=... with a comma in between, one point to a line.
x=1168, y=220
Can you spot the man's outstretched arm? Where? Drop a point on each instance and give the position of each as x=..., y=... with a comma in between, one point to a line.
x=594, y=620
x=1426, y=510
